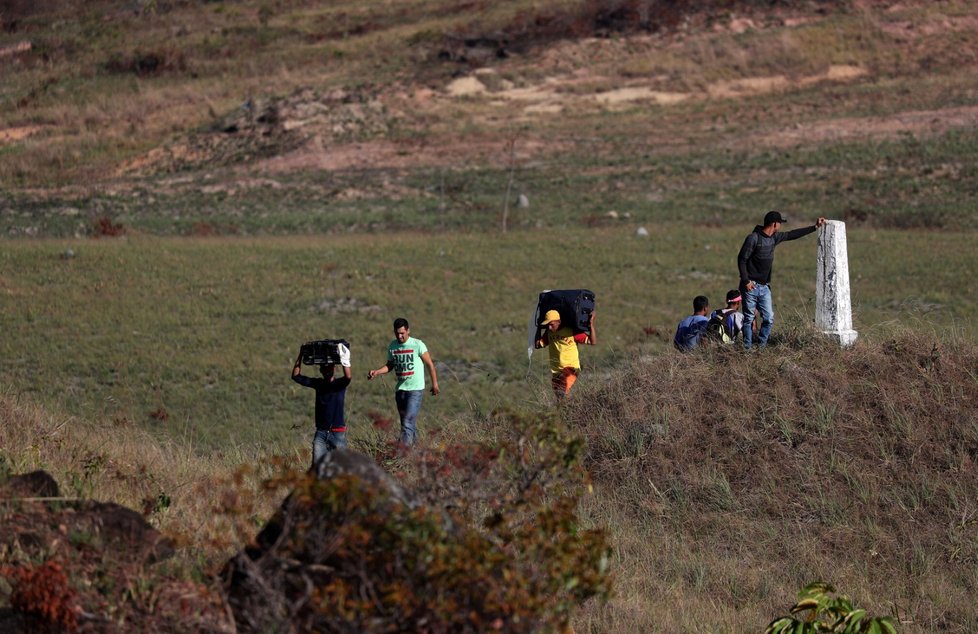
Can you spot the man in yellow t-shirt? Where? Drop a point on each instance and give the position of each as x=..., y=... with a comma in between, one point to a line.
x=565, y=363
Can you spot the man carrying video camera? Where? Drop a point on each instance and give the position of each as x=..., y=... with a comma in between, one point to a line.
x=330, y=394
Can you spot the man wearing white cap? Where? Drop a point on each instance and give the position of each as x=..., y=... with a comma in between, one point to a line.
x=565, y=363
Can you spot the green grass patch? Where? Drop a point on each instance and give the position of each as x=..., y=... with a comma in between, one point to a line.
x=907, y=182
x=206, y=330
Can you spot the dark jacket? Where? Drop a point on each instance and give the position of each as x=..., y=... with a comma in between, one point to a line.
x=689, y=332
x=757, y=255
x=329, y=400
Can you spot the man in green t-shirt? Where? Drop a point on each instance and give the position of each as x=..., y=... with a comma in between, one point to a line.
x=405, y=356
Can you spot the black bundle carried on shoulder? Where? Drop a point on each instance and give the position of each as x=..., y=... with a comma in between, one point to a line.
x=575, y=307
x=322, y=352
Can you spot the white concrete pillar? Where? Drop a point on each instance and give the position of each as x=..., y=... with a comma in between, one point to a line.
x=833, y=306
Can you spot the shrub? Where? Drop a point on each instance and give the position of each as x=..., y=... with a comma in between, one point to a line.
x=42, y=594
x=492, y=542
x=549, y=23
x=823, y=611
x=105, y=227
x=147, y=62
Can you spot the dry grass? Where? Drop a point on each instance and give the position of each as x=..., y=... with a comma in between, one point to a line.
x=179, y=491
x=108, y=84
x=727, y=480
x=734, y=479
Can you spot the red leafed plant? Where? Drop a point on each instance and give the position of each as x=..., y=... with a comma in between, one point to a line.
x=42, y=593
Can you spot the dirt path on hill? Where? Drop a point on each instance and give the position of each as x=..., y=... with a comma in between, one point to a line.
x=915, y=123
x=8, y=135
x=459, y=152
x=554, y=94
x=381, y=154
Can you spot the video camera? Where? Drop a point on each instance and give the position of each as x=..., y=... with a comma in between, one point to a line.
x=322, y=352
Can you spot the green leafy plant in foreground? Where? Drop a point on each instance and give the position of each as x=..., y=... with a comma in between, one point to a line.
x=819, y=609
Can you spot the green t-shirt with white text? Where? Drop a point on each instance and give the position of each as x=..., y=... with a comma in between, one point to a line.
x=406, y=358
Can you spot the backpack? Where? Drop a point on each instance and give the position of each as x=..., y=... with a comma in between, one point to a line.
x=716, y=330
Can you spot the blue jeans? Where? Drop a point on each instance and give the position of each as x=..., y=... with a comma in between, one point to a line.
x=759, y=298
x=325, y=441
x=408, y=406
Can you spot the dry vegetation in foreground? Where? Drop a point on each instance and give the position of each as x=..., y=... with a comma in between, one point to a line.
x=471, y=537
x=79, y=561
x=727, y=481
x=734, y=479
x=169, y=481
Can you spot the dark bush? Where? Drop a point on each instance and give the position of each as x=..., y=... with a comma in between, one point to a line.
x=148, y=62
x=475, y=43
x=42, y=594
x=500, y=550
x=105, y=227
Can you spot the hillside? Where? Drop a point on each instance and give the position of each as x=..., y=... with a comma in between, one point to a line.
x=248, y=117
x=732, y=479
x=189, y=189
x=721, y=497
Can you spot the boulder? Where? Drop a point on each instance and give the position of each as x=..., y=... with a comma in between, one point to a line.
x=117, y=532
x=121, y=531
x=103, y=550
x=271, y=583
x=36, y=484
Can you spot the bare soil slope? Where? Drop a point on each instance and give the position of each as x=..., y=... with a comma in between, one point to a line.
x=242, y=92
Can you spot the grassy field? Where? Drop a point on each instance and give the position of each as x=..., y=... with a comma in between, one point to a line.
x=726, y=481
x=196, y=337
x=905, y=183
x=165, y=252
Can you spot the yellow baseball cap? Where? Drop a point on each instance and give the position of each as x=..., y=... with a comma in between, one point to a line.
x=552, y=315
